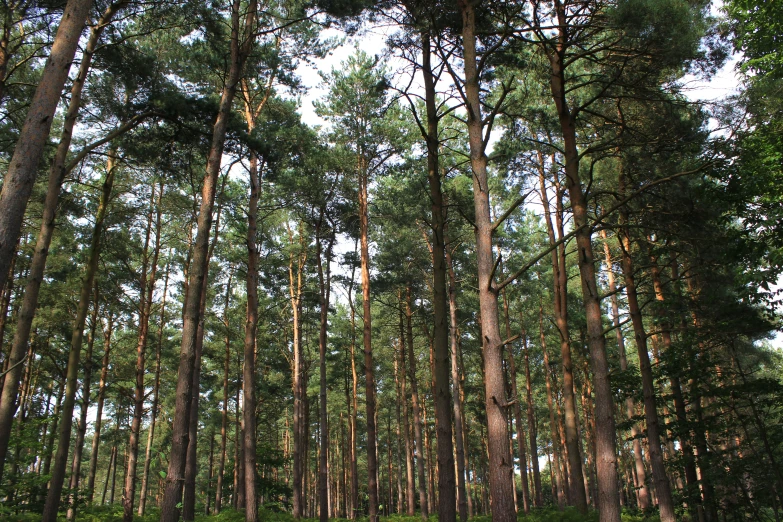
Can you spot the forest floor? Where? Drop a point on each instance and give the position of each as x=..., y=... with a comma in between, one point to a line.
x=114, y=514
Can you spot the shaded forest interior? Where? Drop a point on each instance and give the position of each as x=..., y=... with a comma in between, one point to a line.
x=512, y=267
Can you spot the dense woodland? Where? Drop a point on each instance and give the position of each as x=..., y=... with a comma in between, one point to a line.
x=517, y=273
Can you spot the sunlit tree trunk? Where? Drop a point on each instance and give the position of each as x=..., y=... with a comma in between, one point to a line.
x=501, y=470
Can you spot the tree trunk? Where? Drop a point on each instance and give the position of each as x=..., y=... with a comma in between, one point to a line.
x=459, y=437
x=96, y=438
x=369, y=364
x=606, y=452
x=532, y=431
x=223, y=422
x=58, y=473
x=409, y=464
x=447, y=488
x=146, y=291
x=662, y=487
x=640, y=476
x=191, y=459
x=501, y=470
x=192, y=310
x=560, y=489
x=155, y=396
x=251, y=330
x=324, y=282
x=299, y=386
x=354, y=497
x=417, y=422
x=512, y=369
x=82, y=426
x=560, y=275
x=20, y=178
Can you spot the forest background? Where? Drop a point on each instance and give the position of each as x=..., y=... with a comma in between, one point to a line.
x=520, y=270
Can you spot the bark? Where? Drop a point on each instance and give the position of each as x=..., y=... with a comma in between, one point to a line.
x=251, y=330
x=82, y=426
x=58, y=473
x=20, y=178
x=532, y=431
x=640, y=475
x=57, y=174
x=500, y=468
x=447, y=488
x=417, y=421
x=409, y=465
x=512, y=369
x=146, y=291
x=369, y=364
x=606, y=452
x=155, y=396
x=112, y=461
x=560, y=489
x=354, y=497
x=560, y=271
x=96, y=437
x=223, y=422
x=299, y=387
x=191, y=458
x=459, y=437
x=192, y=310
x=324, y=282
x=661, y=481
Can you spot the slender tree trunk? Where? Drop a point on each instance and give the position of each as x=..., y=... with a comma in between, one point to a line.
x=417, y=421
x=369, y=364
x=640, y=480
x=455, y=382
x=96, y=438
x=192, y=310
x=354, y=497
x=82, y=426
x=410, y=474
x=532, y=431
x=299, y=387
x=20, y=178
x=560, y=275
x=560, y=489
x=447, y=488
x=155, y=396
x=606, y=452
x=58, y=473
x=191, y=462
x=223, y=422
x=112, y=462
x=210, y=465
x=324, y=282
x=662, y=487
x=146, y=290
x=501, y=470
x=251, y=331
x=512, y=368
